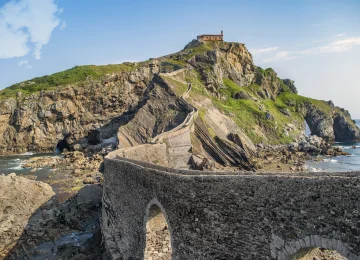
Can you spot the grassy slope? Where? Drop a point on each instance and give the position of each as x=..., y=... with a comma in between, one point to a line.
x=60, y=79
x=247, y=113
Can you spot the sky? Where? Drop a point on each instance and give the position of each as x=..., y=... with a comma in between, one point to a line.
x=314, y=42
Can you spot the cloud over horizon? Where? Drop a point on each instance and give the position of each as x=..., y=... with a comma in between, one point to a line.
x=274, y=53
x=25, y=63
x=26, y=26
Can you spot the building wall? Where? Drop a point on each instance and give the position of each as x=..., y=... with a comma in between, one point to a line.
x=230, y=215
x=210, y=38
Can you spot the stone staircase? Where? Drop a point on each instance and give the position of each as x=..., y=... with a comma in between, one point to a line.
x=177, y=143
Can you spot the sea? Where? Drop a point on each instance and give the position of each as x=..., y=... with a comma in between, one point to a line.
x=15, y=163
x=342, y=163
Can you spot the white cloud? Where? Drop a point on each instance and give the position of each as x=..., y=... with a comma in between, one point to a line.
x=335, y=46
x=281, y=55
x=25, y=26
x=264, y=50
x=341, y=34
x=63, y=25
x=25, y=63
x=330, y=47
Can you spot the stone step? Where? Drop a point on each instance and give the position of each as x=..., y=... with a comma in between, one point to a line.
x=179, y=150
x=179, y=161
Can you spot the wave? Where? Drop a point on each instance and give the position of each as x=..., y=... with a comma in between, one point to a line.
x=18, y=168
x=27, y=153
x=330, y=160
x=313, y=169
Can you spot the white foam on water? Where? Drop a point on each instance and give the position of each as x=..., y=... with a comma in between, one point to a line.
x=313, y=169
x=27, y=153
x=18, y=164
x=18, y=168
x=330, y=160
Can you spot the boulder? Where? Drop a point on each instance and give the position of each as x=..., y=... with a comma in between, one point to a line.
x=242, y=95
x=268, y=116
x=20, y=198
x=291, y=85
x=285, y=111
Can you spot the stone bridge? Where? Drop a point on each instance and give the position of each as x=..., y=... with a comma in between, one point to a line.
x=217, y=215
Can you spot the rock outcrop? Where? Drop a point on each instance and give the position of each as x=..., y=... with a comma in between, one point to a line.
x=344, y=128
x=20, y=198
x=331, y=123
x=133, y=103
x=40, y=121
x=69, y=230
x=229, y=60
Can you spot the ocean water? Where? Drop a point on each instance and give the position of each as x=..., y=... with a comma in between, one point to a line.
x=14, y=164
x=339, y=163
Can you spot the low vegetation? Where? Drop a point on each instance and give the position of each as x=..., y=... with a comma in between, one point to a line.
x=70, y=76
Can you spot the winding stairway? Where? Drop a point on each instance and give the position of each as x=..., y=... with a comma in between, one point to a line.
x=171, y=148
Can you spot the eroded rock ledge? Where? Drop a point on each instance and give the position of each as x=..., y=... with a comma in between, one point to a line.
x=20, y=198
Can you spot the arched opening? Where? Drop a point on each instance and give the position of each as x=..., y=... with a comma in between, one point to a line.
x=307, y=128
x=62, y=145
x=317, y=254
x=310, y=248
x=158, y=237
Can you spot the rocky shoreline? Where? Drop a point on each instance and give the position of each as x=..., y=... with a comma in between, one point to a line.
x=63, y=225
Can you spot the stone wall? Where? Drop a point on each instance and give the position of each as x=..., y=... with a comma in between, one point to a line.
x=230, y=215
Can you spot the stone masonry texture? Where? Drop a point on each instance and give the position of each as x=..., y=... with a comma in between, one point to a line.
x=230, y=215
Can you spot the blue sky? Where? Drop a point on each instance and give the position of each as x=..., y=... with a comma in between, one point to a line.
x=316, y=43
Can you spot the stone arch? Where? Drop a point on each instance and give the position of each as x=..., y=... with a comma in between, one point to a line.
x=282, y=250
x=158, y=241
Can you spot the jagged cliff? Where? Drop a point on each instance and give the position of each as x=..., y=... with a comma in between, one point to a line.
x=104, y=107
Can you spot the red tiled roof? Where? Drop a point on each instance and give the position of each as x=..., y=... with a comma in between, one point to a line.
x=209, y=35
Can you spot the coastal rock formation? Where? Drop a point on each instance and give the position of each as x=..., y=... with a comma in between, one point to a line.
x=344, y=128
x=331, y=123
x=20, y=198
x=101, y=108
x=43, y=119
